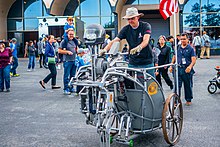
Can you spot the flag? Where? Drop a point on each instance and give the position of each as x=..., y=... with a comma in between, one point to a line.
x=168, y=8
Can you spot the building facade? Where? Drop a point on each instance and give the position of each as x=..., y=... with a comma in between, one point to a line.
x=20, y=18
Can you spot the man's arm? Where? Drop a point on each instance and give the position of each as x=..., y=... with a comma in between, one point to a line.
x=108, y=47
x=145, y=41
x=188, y=69
x=64, y=51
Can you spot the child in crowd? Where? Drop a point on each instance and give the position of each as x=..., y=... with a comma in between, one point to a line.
x=68, y=25
x=80, y=62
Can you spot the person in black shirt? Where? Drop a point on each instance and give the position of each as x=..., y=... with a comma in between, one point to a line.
x=137, y=34
x=163, y=58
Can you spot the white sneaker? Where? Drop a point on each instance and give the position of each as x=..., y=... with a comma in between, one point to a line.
x=29, y=70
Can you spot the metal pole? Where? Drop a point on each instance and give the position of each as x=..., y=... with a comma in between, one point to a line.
x=176, y=67
x=181, y=21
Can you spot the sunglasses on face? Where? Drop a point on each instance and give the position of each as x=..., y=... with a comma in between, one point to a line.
x=131, y=18
x=183, y=38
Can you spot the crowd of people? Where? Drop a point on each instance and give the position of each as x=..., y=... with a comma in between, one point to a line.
x=143, y=53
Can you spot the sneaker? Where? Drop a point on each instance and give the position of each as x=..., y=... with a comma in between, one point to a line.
x=7, y=90
x=42, y=84
x=11, y=74
x=16, y=75
x=29, y=70
x=55, y=87
x=66, y=92
x=72, y=90
x=1, y=90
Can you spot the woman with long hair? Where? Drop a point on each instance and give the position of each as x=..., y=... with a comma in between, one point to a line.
x=50, y=55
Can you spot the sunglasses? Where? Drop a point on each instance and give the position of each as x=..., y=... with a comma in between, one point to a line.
x=183, y=39
x=131, y=18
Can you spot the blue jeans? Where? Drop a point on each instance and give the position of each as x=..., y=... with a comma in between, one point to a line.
x=14, y=65
x=151, y=72
x=185, y=79
x=5, y=77
x=69, y=72
x=31, y=63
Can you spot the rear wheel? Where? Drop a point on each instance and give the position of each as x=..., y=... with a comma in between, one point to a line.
x=212, y=88
x=172, y=119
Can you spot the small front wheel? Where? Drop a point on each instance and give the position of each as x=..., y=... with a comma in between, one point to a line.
x=172, y=119
x=212, y=88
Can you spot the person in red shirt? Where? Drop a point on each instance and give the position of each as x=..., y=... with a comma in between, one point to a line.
x=5, y=66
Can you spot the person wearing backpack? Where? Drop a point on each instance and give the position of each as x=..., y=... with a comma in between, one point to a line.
x=197, y=42
x=206, y=46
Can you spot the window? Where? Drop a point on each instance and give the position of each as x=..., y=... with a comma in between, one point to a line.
x=15, y=24
x=32, y=8
x=31, y=24
x=90, y=20
x=192, y=6
x=15, y=10
x=191, y=20
x=107, y=22
x=105, y=7
x=90, y=8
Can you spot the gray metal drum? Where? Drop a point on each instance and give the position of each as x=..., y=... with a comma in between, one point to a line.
x=145, y=107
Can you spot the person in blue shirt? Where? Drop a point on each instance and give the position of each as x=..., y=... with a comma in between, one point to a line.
x=13, y=47
x=186, y=59
x=79, y=63
x=68, y=25
x=50, y=53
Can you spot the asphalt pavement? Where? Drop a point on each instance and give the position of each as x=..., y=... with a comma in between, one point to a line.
x=33, y=117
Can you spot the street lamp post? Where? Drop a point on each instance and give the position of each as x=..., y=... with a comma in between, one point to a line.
x=181, y=7
x=113, y=4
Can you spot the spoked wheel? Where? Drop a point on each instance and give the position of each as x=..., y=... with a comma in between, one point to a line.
x=212, y=88
x=172, y=119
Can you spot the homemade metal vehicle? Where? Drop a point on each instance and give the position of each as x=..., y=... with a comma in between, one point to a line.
x=124, y=102
x=214, y=84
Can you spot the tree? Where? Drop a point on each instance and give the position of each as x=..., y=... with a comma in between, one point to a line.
x=207, y=19
x=194, y=19
x=211, y=19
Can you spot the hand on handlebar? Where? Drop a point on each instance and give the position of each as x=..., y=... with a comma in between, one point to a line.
x=135, y=50
x=102, y=52
x=171, y=69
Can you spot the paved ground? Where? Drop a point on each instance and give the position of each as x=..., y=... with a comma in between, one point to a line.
x=31, y=116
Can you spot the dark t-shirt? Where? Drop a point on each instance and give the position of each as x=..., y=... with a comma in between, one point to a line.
x=186, y=53
x=134, y=38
